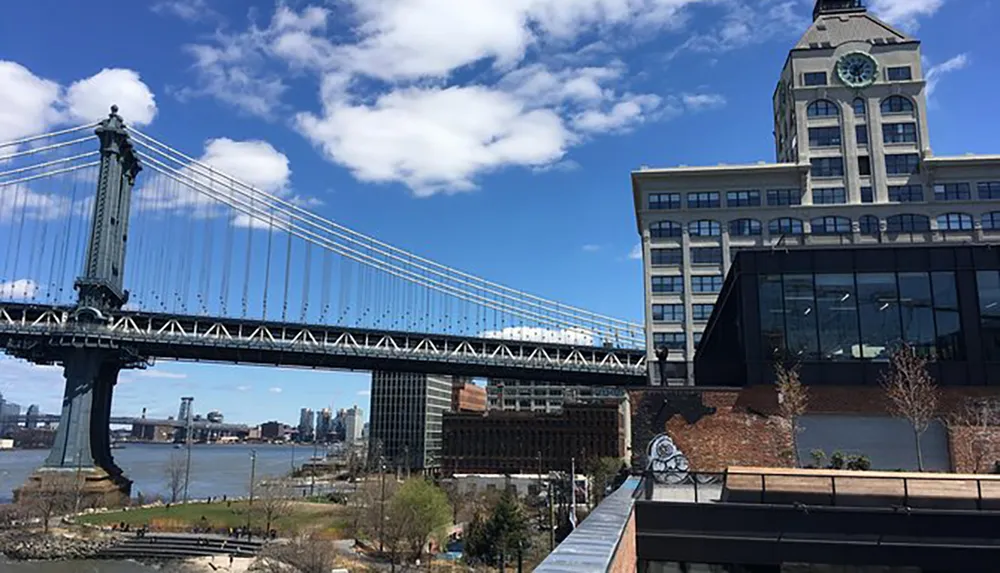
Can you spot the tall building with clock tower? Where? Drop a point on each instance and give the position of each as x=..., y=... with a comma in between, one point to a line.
x=854, y=166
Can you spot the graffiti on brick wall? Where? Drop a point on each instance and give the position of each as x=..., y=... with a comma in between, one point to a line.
x=668, y=464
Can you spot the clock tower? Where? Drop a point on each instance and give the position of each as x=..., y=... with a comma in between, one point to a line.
x=852, y=92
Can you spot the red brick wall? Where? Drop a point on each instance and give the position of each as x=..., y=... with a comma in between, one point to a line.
x=746, y=431
x=625, y=560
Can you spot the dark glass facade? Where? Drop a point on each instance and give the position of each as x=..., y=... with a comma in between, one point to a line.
x=841, y=312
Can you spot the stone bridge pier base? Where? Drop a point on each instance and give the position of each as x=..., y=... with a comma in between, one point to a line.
x=80, y=471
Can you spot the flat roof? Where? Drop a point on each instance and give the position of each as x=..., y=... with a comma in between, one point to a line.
x=969, y=159
x=717, y=169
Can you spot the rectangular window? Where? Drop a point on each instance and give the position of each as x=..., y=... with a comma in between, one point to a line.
x=668, y=313
x=829, y=196
x=706, y=255
x=824, y=136
x=668, y=285
x=952, y=192
x=783, y=197
x=861, y=134
x=899, y=74
x=828, y=167
x=864, y=166
x=904, y=164
x=666, y=257
x=670, y=340
x=659, y=201
x=704, y=200
x=697, y=339
x=706, y=283
x=989, y=189
x=867, y=195
x=701, y=312
x=906, y=193
x=899, y=132
x=815, y=79
x=743, y=198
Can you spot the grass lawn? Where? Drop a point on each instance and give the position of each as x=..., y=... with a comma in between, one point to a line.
x=322, y=517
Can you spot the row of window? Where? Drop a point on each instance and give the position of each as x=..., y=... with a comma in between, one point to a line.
x=822, y=225
x=675, y=312
x=675, y=284
x=827, y=196
x=894, y=74
x=674, y=340
x=891, y=105
x=830, y=136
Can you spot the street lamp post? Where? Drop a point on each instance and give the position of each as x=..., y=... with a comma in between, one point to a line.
x=253, y=471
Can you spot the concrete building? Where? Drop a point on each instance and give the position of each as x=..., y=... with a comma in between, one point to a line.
x=324, y=424
x=467, y=397
x=9, y=411
x=307, y=425
x=531, y=396
x=854, y=166
x=354, y=422
x=405, y=423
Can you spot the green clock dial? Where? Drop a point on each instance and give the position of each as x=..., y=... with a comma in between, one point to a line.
x=857, y=69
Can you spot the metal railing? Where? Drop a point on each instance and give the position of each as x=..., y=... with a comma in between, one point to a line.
x=846, y=489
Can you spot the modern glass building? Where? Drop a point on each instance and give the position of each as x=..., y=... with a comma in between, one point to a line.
x=839, y=313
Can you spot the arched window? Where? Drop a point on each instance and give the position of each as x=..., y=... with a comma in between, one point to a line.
x=704, y=228
x=785, y=226
x=831, y=225
x=907, y=224
x=744, y=228
x=897, y=104
x=955, y=222
x=822, y=108
x=991, y=220
x=860, y=108
x=869, y=225
x=665, y=229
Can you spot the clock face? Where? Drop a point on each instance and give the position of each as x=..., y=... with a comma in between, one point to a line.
x=857, y=69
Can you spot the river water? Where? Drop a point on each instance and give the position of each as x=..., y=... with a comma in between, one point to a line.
x=216, y=470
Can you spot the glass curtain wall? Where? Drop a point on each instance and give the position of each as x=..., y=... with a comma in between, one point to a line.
x=862, y=316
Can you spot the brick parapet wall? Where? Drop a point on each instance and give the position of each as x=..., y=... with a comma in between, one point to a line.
x=625, y=559
x=745, y=430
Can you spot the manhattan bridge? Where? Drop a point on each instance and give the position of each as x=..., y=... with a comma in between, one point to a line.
x=220, y=271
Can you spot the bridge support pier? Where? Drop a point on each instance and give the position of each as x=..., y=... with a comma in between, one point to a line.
x=80, y=460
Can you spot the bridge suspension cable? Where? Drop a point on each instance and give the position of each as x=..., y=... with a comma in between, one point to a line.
x=266, y=207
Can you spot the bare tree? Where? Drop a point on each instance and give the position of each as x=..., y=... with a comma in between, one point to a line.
x=57, y=494
x=911, y=392
x=793, y=400
x=980, y=418
x=272, y=501
x=300, y=555
x=175, y=477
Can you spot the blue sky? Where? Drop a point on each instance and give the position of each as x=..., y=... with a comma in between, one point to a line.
x=495, y=136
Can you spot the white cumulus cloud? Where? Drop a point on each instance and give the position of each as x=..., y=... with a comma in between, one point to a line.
x=904, y=12
x=90, y=99
x=636, y=252
x=395, y=105
x=274, y=390
x=30, y=104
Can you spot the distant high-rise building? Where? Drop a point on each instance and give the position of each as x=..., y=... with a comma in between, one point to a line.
x=354, y=425
x=339, y=426
x=405, y=422
x=307, y=421
x=31, y=417
x=324, y=424
x=9, y=411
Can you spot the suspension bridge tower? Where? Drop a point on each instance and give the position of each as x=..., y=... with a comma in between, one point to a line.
x=80, y=458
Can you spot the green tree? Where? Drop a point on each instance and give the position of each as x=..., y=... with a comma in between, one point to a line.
x=422, y=511
x=494, y=540
x=602, y=474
